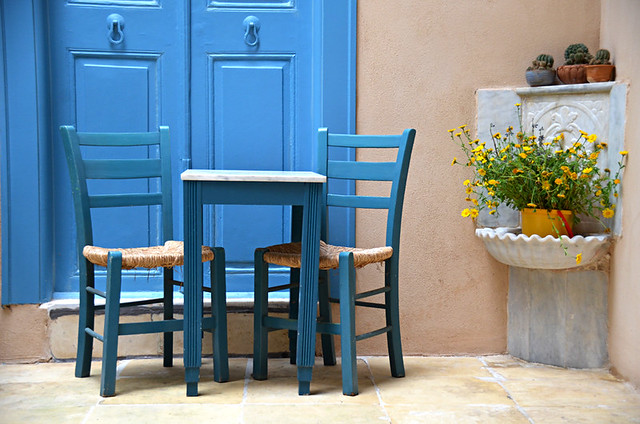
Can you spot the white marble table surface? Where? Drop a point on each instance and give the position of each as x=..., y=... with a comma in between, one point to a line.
x=251, y=175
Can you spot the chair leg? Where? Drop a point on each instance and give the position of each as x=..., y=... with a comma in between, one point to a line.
x=111, y=322
x=167, y=346
x=394, y=342
x=328, y=344
x=261, y=305
x=294, y=293
x=219, y=311
x=86, y=319
x=348, y=324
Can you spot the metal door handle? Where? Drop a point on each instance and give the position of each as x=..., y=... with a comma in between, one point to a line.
x=115, y=24
x=251, y=28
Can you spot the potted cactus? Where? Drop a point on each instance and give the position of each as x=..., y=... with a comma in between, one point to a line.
x=576, y=58
x=541, y=71
x=600, y=68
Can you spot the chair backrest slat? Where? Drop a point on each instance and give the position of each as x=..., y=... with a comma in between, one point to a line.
x=121, y=200
x=353, y=201
x=355, y=140
x=157, y=166
x=394, y=171
x=118, y=139
x=372, y=171
x=122, y=168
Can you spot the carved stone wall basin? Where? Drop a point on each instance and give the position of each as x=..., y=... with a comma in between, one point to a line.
x=509, y=246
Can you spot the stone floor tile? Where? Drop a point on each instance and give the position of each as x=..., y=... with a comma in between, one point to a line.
x=438, y=381
x=572, y=393
x=165, y=414
x=146, y=381
x=420, y=414
x=59, y=414
x=586, y=415
x=326, y=386
x=339, y=413
x=429, y=366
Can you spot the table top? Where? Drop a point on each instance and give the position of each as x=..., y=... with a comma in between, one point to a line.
x=252, y=176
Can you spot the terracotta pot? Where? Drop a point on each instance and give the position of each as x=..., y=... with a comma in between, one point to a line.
x=572, y=74
x=537, y=77
x=544, y=223
x=599, y=73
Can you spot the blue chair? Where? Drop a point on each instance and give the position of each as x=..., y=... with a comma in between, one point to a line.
x=112, y=172
x=345, y=259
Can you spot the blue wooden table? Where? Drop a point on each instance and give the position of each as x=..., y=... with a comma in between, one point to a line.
x=218, y=187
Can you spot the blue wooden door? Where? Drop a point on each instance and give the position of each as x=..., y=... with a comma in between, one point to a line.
x=116, y=66
x=243, y=84
x=251, y=108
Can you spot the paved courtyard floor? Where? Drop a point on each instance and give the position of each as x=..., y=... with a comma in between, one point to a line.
x=486, y=389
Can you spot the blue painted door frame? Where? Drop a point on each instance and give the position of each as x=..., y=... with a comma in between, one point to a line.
x=27, y=130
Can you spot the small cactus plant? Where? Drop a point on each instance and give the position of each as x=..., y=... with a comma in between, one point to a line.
x=577, y=54
x=543, y=61
x=601, y=58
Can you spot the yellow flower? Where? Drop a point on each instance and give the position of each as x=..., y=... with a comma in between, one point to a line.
x=526, y=148
x=492, y=212
x=458, y=134
x=465, y=212
x=523, y=155
x=462, y=126
x=599, y=193
x=608, y=213
x=574, y=176
x=558, y=181
x=532, y=205
x=478, y=149
x=494, y=182
x=583, y=133
x=546, y=185
x=565, y=168
x=454, y=161
x=518, y=105
x=474, y=201
x=561, y=196
x=466, y=182
x=593, y=156
x=473, y=213
x=616, y=181
x=482, y=172
x=587, y=170
x=624, y=153
x=592, y=138
x=578, y=258
x=497, y=135
x=468, y=190
x=452, y=130
x=558, y=152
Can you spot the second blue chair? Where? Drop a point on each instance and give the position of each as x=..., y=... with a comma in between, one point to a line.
x=345, y=259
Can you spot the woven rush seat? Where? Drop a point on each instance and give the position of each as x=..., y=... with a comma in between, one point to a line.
x=288, y=254
x=169, y=255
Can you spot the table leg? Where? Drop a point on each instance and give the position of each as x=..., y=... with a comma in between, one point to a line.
x=306, y=346
x=192, y=285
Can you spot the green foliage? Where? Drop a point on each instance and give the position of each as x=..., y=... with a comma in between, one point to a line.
x=577, y=54
x=528, y=171
x=601, y=58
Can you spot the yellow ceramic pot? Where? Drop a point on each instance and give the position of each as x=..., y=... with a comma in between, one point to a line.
x=543, y=222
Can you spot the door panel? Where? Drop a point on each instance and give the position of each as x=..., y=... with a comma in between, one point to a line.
x=251, y=109
x=99, y=85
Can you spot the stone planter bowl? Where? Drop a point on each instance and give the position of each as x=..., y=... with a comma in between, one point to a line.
x=572, y=74
x=538, y=77
x=509, y=246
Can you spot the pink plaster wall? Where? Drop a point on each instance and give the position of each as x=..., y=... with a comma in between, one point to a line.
x=419, y=64
x=620, y=34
